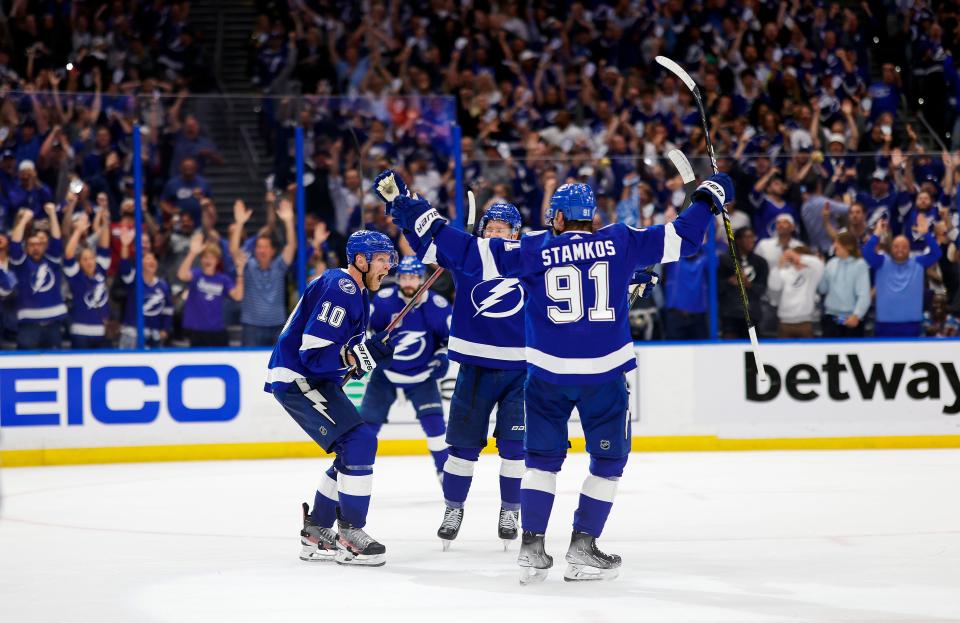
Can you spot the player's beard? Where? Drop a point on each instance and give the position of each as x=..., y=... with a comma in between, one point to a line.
x=408, y=291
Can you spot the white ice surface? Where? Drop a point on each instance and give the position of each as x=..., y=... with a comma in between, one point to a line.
x=726, y=537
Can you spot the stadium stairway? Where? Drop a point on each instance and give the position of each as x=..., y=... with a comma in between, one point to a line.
x=231, y=120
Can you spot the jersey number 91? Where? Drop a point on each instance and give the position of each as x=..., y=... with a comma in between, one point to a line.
x=564, y=284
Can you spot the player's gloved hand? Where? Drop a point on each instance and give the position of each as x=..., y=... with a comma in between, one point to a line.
x=417, y=216
x=643, y=282
x=440, y=364
x=717, y=190
x=373, y=352
x=389, y=185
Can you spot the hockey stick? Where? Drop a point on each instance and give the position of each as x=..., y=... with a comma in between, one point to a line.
x=399, y=317
x=684, y=77
x=471, y=211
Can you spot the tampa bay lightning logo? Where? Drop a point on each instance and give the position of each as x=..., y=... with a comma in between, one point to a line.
x=347, y=285
x=43, y=280
x=497, y=298
x=409, y=345
x=153, y=303
x=97, y=297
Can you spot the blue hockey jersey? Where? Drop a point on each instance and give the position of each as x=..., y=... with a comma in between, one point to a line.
x=420, y=335
x=38, y=283
x=157, y=304
x=576, y=317
x=487, y=326
x=333, y=313
x=91, y=296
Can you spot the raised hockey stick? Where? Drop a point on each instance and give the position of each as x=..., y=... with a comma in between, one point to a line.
x=683, y=167
x=471, y=211
x=684, y=77
x=399, y=317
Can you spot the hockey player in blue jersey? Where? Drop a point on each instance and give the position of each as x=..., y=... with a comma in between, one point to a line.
x=420, y=358
x=486, y=339
x=578, y=344
x=323, y=337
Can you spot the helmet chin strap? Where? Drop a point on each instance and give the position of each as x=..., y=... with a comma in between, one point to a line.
x=364, y=273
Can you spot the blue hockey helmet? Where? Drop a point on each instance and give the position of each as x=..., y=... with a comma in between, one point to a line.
x=506, y=212
x=410, y=265
x=367, y=242
x=575, y=201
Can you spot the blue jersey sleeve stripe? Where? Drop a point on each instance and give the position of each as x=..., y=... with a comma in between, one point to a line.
x=487, y=260
x=671, y=244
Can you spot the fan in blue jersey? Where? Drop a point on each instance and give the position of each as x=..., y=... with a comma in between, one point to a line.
x=157, y=298
x=420, y=358
x=486, y=339
x=324, y=337
x=87, y=278
x=578, y=344
x=40, y=307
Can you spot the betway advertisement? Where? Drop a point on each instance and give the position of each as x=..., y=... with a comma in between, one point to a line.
x=813, y=389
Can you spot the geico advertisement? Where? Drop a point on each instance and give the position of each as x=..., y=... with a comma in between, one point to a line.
x=813, y=388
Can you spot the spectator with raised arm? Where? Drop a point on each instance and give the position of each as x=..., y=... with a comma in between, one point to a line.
x=263, y=309
x=900, y=280
x=792, y=286
x=846, y=289
x=208, y=287
x=157, y=298
x=41, y=309
x=87, y=279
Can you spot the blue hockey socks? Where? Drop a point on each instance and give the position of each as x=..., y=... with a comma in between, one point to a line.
x=326, y=500
x=596, y=496
x=537, y=490
x=436, y=430
x=511, y=471
x=458, y=474
x=356, y=452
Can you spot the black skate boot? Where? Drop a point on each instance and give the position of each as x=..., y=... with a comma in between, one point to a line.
x=533, y=559
x=507, y=526
x=587, y=562
x=317, y=544
x=356, y=547
x=450, y=527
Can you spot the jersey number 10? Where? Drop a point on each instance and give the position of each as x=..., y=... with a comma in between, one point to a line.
x=564, y=284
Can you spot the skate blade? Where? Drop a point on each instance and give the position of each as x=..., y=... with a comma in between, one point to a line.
x=532, y=575
x=580, y=573
x=343, y=557
x=311, y=552
x=446, y=544
x=506, y=543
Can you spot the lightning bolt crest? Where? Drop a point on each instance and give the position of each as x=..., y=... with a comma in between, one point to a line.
x=407, y=339
x=496, y=295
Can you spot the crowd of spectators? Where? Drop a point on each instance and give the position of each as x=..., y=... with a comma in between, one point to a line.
x=846, y=218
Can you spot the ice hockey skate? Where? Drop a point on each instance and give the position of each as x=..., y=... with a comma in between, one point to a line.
x=356, y=547
x=507, y=526
x=587, y=562
x=452, y=518
x=533, y=559
x=317, y=544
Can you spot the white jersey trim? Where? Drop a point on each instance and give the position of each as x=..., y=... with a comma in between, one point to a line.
x=283, y=375
x=511, y=468
x=436, y=444
x=671, y=244
x=71, y=269
x=490, y=270
x=311, y=341
x=456, y=466
x=396, y=377
x=328, y=488
x=474, y=349
x=582, y=365
x=88, y=330
x=42, y=313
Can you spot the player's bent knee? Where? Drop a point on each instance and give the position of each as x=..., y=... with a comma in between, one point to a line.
x=510, y=449
x=358, y=449
x=545, y=462
x=467, y=454
x=607, y=467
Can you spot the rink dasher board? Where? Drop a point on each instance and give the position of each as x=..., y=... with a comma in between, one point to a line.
x=93, y=407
